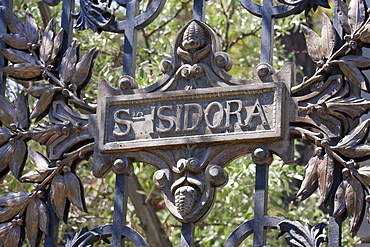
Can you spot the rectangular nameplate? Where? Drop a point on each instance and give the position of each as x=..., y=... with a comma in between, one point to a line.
x=224, y=114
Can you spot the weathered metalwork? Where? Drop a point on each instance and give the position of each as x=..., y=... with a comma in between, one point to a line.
x=190, y=124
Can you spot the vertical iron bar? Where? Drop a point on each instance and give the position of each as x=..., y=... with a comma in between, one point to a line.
x=129, y=48
x=3, y=29
x=120, y=207
x=199, y=10
x=267, y=32
x=187, y=235
x=260, y=204
x=335, y=226
x=67, y=23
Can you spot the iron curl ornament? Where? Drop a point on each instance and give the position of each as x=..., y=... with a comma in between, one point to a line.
x=189, y=125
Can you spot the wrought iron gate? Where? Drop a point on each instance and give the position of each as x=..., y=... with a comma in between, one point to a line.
x=190, y=124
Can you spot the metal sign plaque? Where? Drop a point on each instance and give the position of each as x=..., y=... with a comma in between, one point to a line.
x=238, y=113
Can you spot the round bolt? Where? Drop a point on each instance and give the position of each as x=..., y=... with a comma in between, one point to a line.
x=12, y=141
x=41, y=194
x=59, y=163
x=319, y=151
x=263, y=70
x=325, y=143
x=261, y=156
x=160, y=176
x=345, y=172
x=66, y=169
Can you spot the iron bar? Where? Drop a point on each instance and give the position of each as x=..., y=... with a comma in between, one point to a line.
x=199, y=10
x=129, y=48
x=187, y=235
x=260, y=204
x=120, y=209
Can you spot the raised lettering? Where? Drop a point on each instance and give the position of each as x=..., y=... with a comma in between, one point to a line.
x=229, y=112
x=194, y=118
x=164, y=118
x=257, y=112
x=117, y=132
x=214, y=120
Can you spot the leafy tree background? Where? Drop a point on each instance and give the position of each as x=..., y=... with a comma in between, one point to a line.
x=239, y=33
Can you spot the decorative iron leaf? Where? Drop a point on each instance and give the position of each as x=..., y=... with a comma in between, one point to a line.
x=327, y=40
x=343, y=16
x=14, y=237
x=354, y=75
x=58, y=197
x=23, y=112
x=84, y=67
x=6, y=154
x=14, y=24
x=23, y=70
x=364, y=172
x=37, y=92
x=313, y=42
x=11, y=204
x=355, y=204
x=325, y=177
x=16, y=164
x=57, y=44
x=47, y=42
x=339, y=202
x=38, y=160
x=5, y=135
x=8, y=114
x=16, y=56
x=92, y=16
x=4, y=230
x=31, y=30
x=356, y=137
x=43, y=103
x=310, y=181
x=302, y=236
x=67, y=66
x=16, y=41
x=46, y=134
x=356, y=14
x=352, y=107
x=14, y=198
x=43, y=214
x=360, y=62
x=32, y=222
x=75, y=191
x=34, y=177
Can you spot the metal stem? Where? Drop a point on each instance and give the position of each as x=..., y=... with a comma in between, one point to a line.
x=260, y=204
x=187, y=235
x=120, y=208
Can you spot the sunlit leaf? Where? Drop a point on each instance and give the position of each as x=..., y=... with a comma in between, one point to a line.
x=43, y=103
x=16, y=56
x=356, y=14
x=31, y=29
x=339, y=202
x=47, y=42
x=355, y=204
x=23, y=70
x=14, y=24
x=31, y=223
x=313, y=42
x=325, y=171
x=327, y=37
x=67, y=66
x=17, y=162
x=343, y=16
x=23, y=112
x=84, y=67
x=58, y=196
x=8, y=114
x=310, y=181
x=75, y=191
x=16, y=41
